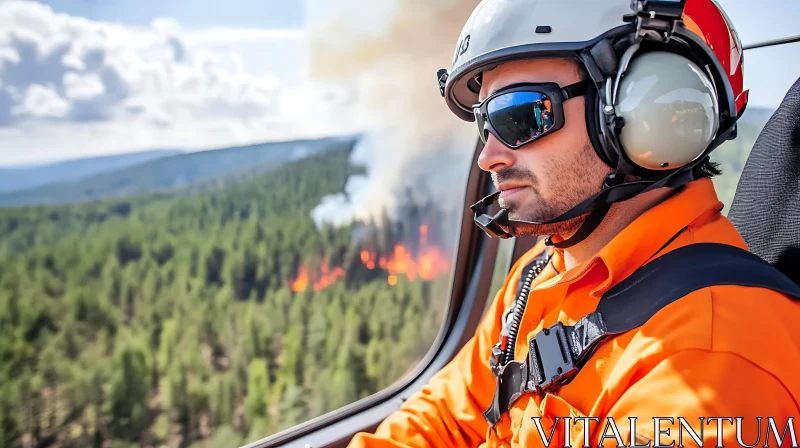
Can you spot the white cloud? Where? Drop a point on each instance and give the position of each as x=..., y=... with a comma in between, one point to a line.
x=72, y=87
x=82, y=87
x=41, y=101
x=166, y=25
x=216, y=36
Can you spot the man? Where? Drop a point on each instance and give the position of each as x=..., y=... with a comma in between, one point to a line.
x=537, y=112
x=547, y=118
x=614, y=184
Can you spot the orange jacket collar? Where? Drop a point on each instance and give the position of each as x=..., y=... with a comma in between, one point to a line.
x=642, y=239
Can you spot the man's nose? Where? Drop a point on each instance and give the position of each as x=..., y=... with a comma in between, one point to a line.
x=495, y=155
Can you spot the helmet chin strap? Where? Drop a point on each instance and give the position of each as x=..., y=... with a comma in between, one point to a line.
x=614, y=190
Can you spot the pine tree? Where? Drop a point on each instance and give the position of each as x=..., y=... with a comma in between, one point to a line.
x=258, y=391
x=128, y=394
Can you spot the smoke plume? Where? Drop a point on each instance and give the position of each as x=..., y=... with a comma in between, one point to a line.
x=389, y=52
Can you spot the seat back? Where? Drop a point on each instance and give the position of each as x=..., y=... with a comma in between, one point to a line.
x=766, y=207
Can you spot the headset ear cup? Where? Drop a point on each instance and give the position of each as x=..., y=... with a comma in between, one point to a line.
x=593, y=117
x=670, y=112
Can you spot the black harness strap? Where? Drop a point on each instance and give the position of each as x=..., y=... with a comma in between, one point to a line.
x=556, y=354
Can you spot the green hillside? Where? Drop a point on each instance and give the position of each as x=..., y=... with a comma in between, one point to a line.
x=168, y=173
x=174, y=322
x=29, y=177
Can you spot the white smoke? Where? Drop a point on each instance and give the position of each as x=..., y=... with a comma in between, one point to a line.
x=390, y=52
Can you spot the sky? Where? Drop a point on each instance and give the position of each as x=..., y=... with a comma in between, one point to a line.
x=191, y=14
x=284, y=18
x=82, y=78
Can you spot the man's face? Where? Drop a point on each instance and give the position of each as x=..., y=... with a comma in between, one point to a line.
x=549, y=176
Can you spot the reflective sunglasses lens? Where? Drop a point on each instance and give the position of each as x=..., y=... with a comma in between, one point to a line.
x=520, y=117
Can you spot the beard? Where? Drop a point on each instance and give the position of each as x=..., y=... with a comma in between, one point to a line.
x=570, y=181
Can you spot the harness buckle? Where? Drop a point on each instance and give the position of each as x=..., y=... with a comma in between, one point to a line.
x=551, y=358
x=495, y=360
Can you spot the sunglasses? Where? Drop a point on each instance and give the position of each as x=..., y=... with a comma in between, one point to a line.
x=522, y=113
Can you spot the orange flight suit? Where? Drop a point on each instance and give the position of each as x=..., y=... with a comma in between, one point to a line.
x=723, y=351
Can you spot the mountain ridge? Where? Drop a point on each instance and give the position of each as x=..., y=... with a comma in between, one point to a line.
x=172, y=172
x=16, y=178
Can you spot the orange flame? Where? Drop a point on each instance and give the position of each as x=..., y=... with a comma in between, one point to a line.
x=301, y=283
x=327, y=278
x=368, y=258
x=430, y=263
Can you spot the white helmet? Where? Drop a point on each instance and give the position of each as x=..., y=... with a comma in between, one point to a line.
x=666, y=84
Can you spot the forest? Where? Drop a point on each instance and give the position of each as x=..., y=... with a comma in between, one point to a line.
x=208, y=317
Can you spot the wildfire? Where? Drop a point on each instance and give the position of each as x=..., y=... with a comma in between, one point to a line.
x=326, y=277
x=429, y=263
x=368, y=258
x=301, y=282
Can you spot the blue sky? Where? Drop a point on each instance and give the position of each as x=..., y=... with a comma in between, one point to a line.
x=190, y=13
x=286, y=57
x=763, y=20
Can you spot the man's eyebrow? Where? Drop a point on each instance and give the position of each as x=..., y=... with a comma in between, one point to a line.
x=490, y=92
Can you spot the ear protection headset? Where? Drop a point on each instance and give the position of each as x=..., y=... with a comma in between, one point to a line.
x=658, y=112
